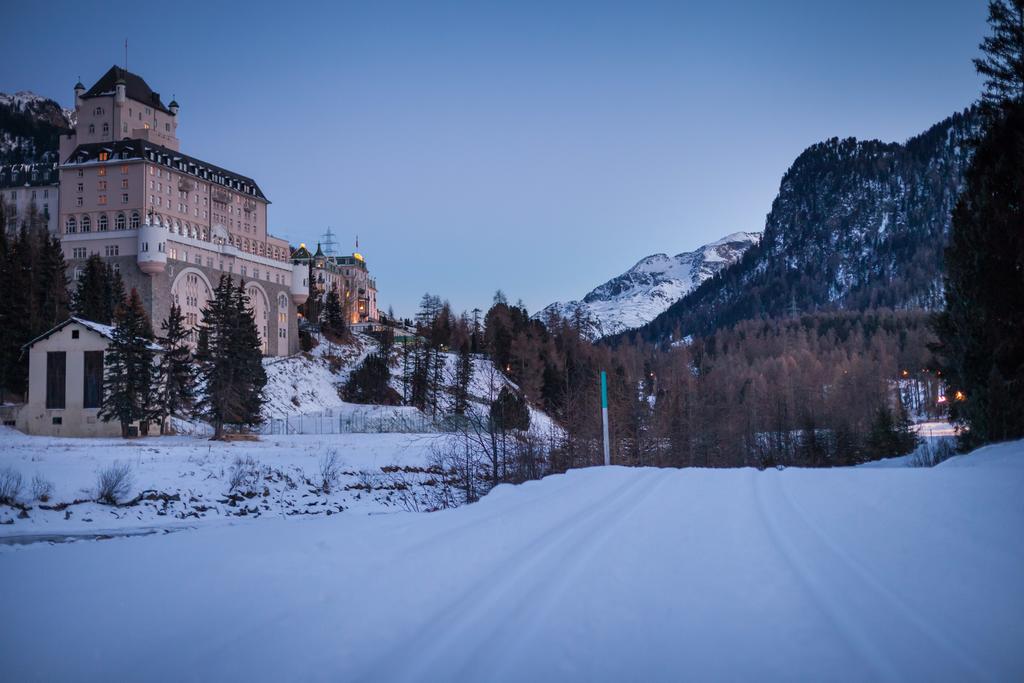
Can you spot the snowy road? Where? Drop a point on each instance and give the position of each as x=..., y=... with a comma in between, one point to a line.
x=601, y=574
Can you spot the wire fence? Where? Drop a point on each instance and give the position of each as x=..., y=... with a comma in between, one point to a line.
x=363, y=420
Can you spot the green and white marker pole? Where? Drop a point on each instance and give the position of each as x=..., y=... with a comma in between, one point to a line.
x=604, y=417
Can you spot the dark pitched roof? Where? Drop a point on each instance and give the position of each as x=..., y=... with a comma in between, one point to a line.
x=183, y=163
x=301, y=254
x=136, y=88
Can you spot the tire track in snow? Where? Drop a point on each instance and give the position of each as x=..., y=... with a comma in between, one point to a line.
x=900, y=609
x=449, y=629
x=525, y=620
x=821, y=593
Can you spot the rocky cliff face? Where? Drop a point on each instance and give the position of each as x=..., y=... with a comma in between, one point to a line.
x=30, y=127
x=856, y=225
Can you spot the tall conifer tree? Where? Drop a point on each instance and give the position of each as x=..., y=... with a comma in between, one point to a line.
x=176, y=374
x=981, y=330
x=128, y=365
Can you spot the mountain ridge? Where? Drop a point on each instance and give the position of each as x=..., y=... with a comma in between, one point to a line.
x=650, y=286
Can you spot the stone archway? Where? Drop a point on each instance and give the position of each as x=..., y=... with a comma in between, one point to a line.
x=260, y=304
x=191, y=291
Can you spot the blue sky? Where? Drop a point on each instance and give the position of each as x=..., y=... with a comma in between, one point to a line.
x=537, y=147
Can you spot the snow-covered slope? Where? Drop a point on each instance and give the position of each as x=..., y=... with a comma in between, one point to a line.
x=644, y=291
x=604, y=573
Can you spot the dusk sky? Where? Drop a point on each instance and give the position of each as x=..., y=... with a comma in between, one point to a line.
x=539, y=148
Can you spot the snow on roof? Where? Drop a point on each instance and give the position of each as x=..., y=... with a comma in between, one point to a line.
x=99, y=328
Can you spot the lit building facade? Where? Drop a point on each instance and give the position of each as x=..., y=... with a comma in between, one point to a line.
x=351, y=276
x=171, y=224
x=26, y=189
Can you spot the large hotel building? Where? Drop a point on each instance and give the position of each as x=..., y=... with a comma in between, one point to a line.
x=171, y=223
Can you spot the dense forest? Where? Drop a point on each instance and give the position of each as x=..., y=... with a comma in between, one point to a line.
x=856, y=225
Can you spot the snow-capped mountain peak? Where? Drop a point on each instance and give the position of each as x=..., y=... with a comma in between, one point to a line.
x=652, y=285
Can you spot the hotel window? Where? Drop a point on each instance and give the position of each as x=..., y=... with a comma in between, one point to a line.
x=70, y=226
x=78, y=201
x=124, y=183
x=112, y=250
x=101, y=224
x=124, y=198
x=78, y=252
x=92, y=394
x=81, y=187
x=80, y=174
x=124, y=169
x=102, y=199
x=135, y=219
x=102, y=170
x=119, y=222
x=86, y=224
x=101, y=184
x=92, y=129
x=56, y=379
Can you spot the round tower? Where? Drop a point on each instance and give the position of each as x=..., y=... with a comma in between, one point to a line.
x=79, y=91
x=120, y=91
x=300, y=283
x=152, y=247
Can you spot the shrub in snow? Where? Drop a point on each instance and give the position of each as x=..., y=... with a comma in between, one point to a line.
x=931, y=454
x=10, y=485
x=329, y=470
x=114, y=483
x=245, y=474
x=42, y=488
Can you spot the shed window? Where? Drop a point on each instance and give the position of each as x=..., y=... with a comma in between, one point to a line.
x=56, y=379
x=93, y=384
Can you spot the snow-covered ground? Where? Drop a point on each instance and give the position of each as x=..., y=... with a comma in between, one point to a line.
x=599, y=574
x=185, y=481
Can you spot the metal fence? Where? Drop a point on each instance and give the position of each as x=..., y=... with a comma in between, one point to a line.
x=362, y=420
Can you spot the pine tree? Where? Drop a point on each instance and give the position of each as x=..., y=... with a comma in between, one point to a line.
x=129, y=370
x=176, y=374
x=19, y=310
x=981, y=330
x=91, y=300
x=51, y=289
x=251, y=375
x=332, y=320
x=463, y=376
x=113, y=290
x=370, y=383
x=230, y=357
x=1003, y=63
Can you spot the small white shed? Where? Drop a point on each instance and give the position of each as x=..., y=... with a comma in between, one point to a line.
x=65, y=381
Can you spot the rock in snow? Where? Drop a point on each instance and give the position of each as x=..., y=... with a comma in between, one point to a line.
x=644, y=291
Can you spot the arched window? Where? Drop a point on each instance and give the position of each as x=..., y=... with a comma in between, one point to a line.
x=135, y=220
x=101, y=224
x=86, y=224
x=106, y=128
x=119, y=222
x=71, y=225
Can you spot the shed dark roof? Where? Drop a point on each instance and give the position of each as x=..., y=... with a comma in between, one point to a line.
x=183, y=163
x=135, y=86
